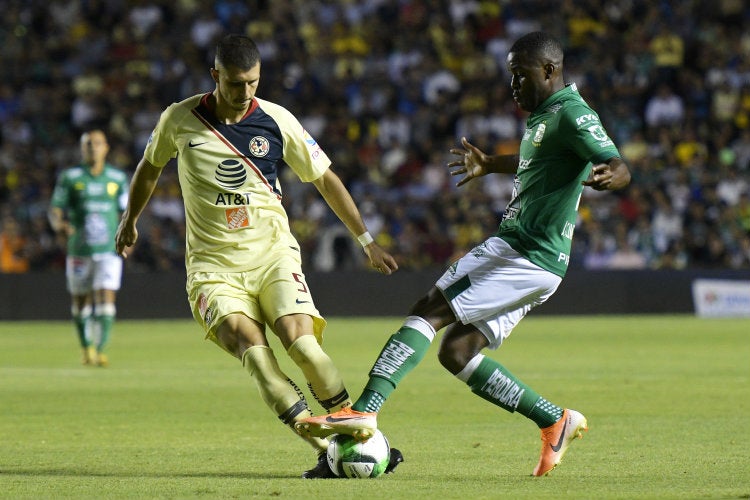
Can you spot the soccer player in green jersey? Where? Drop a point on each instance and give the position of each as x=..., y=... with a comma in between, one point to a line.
x=85, y=209
x=483, y=295
x=244, y=271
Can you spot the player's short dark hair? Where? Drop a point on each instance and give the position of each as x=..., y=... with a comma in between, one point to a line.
x=539, y=44
x=90, y=128
x=237, y=51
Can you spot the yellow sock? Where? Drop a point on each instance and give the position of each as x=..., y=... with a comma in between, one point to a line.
x=323, y=377
x=278, y=391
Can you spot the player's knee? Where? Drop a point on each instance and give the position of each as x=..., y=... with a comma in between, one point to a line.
x=77, y=311
x=453, y=359
x=428, y=304
x=233, y=342
x=434, y=309
x=291, y=327
x=419, y=308
x=106, y=309
x=459, y=346
x=236, y=333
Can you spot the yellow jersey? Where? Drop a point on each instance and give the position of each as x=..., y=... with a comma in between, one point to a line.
x=229, y=177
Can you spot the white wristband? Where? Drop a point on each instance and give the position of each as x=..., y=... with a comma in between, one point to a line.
x=365, y=238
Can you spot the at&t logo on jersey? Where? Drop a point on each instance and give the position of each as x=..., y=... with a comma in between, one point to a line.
x=231, y=174
x=259, y=146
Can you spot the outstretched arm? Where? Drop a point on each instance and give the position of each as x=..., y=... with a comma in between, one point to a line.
x=338, y=198
x=475, y=163
x=141, y=188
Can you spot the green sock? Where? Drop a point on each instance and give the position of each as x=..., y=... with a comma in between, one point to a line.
x=493, y=382
x=105, y=328
x=81, y=330
x=81, y=321
x=104, y=316
x=400, y=355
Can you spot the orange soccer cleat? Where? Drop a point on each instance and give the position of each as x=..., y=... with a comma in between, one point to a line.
x=360, y=425
x=556, y=438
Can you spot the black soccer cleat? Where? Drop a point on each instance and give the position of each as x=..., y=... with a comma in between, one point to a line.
x=321, y=469
x=396, y=458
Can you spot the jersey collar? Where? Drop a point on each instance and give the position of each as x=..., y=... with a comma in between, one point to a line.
x=210, y=105
x=569, y=90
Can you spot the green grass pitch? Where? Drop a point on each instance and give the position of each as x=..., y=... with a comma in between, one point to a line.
x=176, y=417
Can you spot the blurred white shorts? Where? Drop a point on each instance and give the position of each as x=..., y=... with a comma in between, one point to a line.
x=97, y=272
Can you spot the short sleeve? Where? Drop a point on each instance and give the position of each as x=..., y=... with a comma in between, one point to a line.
x=587, y=136
x=161, y=147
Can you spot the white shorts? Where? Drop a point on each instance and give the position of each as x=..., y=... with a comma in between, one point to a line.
x=98, y=272
x=493, y=287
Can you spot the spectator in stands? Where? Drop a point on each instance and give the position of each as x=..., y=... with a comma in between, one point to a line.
x=664, y=108
x=12, y=246
x=668, y=50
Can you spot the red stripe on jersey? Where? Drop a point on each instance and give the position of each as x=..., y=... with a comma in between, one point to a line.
x=211, y=106
x=253, y=106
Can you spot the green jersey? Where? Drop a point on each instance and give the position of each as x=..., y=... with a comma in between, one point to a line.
x=93, y=204
x=562, y=141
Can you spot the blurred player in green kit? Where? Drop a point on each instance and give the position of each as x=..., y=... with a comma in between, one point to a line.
x=85, y=209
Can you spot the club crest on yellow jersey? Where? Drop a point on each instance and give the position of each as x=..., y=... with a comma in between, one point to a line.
x=259, y=146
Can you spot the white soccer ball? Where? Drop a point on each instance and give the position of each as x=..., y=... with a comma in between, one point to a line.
x=349, y=458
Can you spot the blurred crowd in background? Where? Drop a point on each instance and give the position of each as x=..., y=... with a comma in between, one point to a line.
x=388, y=87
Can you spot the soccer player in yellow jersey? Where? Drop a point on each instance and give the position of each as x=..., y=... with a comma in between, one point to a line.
x=243, y=264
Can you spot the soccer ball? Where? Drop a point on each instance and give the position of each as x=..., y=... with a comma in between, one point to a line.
x=349, y=458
